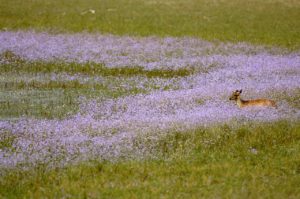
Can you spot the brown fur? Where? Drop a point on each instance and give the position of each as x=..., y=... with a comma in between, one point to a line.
x=247, y=103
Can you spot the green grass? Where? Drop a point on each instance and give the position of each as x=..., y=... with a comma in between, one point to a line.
x=249, y=161
x=38, y=103
x=6, y=140
x=270, y=22
x=291, y=97
x=58, y=99
x=92, y=69
x=38, y=97
x=253, y=160
x=52, y=99
x=13, y=63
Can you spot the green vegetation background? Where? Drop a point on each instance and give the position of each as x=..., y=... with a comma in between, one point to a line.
x=270, y=22
x=255, y=160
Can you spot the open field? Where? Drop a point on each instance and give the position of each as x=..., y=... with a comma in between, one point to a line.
x=252, y=161
x=130, y=99
x=132, y=103
x=271, y=22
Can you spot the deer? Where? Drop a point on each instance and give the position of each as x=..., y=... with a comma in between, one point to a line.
x=250, y=103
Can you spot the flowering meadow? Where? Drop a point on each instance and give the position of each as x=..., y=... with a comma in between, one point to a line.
x=131, y=99
x=154, y=87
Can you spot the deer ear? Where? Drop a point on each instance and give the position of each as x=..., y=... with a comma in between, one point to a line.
x=241, y=91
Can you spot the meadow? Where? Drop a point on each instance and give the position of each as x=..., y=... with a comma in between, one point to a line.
x=130, y=99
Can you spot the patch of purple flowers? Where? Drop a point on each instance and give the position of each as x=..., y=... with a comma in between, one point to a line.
x=117, y=51
x=108, y=129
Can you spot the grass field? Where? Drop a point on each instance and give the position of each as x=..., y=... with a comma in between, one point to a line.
x=271, y=22
x=130, y=99
x=252, y=161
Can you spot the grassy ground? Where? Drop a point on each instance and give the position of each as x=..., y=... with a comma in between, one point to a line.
x=250, y=161
x=20, y=95
x=272, y=22
x=253, y=160
x=15, y=64
x=26, y=88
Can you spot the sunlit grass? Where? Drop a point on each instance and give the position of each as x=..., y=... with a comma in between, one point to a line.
x=292, y=97
x=92, y=69
x=257, y=21
x=53, y=99
x=38, y=103
x=6, y=140
x=250, y=161
x=57, y=99
x=27, y=88
x=231, y=160
x=14, y=63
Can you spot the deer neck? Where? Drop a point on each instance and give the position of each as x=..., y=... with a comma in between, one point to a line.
x=240, y=102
